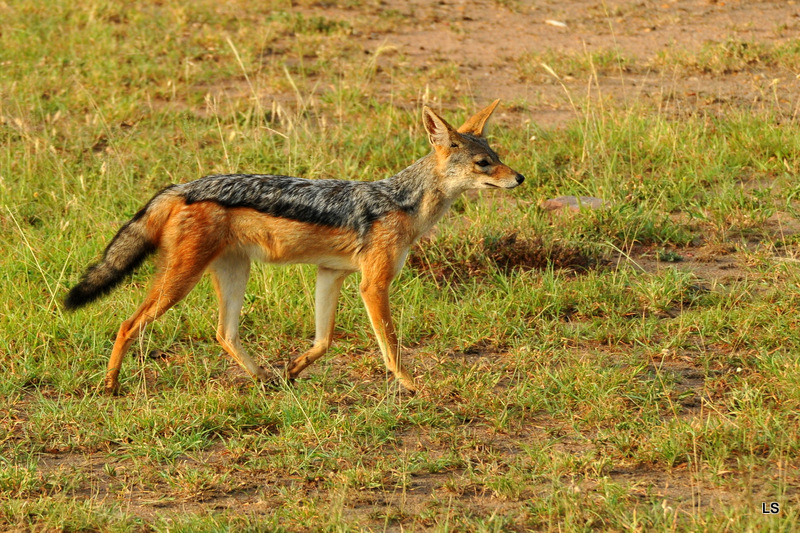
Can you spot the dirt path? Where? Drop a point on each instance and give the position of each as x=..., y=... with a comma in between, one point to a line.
x=495, y=49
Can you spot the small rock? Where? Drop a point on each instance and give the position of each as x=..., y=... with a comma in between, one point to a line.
x=573, y=203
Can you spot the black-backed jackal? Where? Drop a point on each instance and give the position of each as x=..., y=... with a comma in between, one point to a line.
x=221, y=223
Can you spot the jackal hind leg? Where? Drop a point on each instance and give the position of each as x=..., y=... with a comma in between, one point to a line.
x=229, y=275
x=329, y=285
x=172, y=283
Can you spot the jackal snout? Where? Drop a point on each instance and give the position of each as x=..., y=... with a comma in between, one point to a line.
x=504, y=177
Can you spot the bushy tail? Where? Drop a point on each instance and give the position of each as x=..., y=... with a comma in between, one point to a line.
x=129, y=247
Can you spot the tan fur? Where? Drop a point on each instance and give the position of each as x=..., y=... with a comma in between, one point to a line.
x=285, y=241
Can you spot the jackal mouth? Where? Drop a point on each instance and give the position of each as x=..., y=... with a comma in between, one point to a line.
x=492, y=185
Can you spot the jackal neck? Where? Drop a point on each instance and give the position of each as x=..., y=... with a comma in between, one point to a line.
x=421, y=182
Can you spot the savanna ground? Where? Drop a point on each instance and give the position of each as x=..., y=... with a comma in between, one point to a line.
x=633, y=368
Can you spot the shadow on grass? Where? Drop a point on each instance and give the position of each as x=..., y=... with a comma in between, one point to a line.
x=507, y=253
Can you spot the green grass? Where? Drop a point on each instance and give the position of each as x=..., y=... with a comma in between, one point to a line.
x=574, y=377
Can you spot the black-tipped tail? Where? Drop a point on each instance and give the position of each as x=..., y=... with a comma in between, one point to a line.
x=130, y=246
x=100, y=279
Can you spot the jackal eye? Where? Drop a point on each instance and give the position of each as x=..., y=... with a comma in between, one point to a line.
x=483, y=163
x=454, y=145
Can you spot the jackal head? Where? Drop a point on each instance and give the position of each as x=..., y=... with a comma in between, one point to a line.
x=464, y=159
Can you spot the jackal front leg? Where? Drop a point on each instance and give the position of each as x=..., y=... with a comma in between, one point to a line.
x=329, y=284
x=375, y=293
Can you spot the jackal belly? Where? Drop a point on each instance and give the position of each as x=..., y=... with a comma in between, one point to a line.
x=278, y=240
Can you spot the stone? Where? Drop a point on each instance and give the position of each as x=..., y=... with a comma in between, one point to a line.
x=573, y=203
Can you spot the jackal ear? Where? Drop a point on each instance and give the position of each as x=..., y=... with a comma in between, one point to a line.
x=439, y=131
x=476, y=123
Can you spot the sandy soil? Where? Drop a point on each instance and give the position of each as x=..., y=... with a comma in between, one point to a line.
x=486, y=39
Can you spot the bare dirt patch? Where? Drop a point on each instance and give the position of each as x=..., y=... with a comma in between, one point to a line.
x=496, y=50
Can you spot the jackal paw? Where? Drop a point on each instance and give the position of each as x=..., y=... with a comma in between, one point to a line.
x=112, y=388
x=406, y=391
x=407, y=383
x=271, y=379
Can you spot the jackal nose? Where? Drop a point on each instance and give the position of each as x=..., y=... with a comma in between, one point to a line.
x=520, y=178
